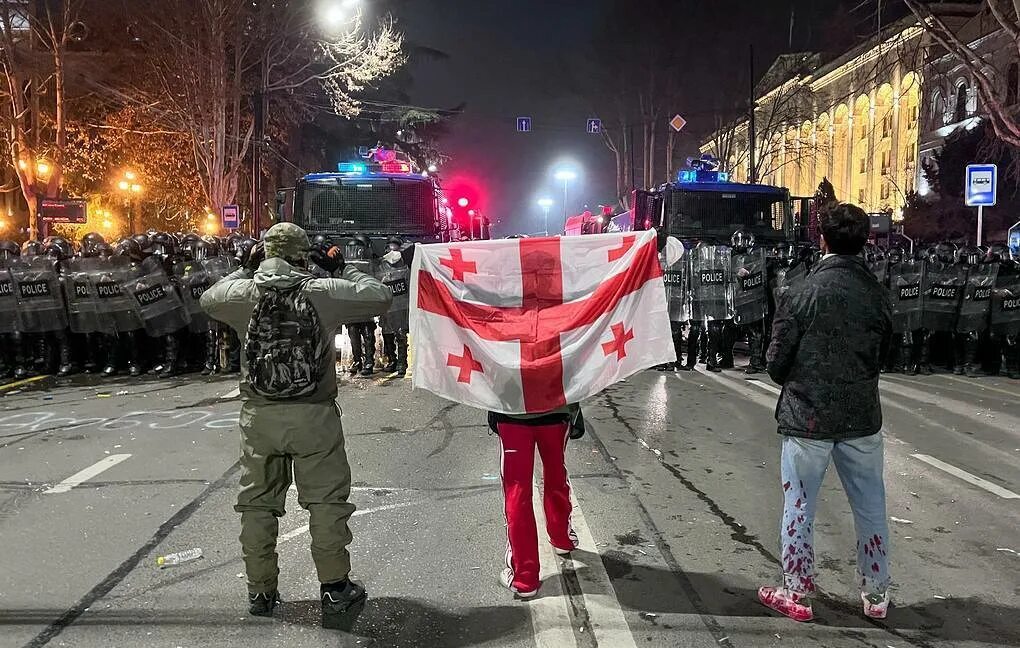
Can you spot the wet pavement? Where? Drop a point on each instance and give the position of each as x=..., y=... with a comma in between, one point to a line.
x=678, y=513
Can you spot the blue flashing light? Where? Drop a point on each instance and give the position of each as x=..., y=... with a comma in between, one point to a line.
x=698, y=176
x=353, y=168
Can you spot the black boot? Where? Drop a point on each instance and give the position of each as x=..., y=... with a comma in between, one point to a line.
x=390, y=351
x=172, y=348
x=693, y=342
x=401, y=346
x=341, y=603
x=262, y=603
x=354, y=334
x=368, y=349
x=64, y=352
x=212, y=353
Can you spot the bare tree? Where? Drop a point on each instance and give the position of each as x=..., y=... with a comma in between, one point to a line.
x=211, y=57
x=33, y=52
x=993, y=97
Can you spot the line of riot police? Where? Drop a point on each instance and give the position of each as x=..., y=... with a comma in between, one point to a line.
x=954, y=305
x=130, y=307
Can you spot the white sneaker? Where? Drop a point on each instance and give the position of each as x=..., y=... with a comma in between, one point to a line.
x=506, y=578
x=876, y=606
x=564, y=553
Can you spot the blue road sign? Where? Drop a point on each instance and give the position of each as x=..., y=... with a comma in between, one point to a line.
x=595, y=126
x=981, y=186
x=524, y=124
x=230, y=214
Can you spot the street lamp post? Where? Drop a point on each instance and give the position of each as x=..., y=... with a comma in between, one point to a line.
x=565, y=176
x=129, y=186
x=545, y=204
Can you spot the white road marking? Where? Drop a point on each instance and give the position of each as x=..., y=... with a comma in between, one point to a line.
x=233, y=393
x=608, y=623
x=995, y=489
x=550, y=614
x=290, y=535
x=764, y=385
x=368, y=489
x=84, y=475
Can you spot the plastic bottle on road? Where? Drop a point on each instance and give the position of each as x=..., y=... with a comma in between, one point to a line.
x=178, y=558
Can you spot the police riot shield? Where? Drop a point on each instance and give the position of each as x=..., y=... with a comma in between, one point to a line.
x=8, y=305
x=396, y=276
x=114, y=303
x=881, y=271
x=711, y=296
x=194, y=279
x=943, y=293
x=677, y=278
x=360, y=258
x=161, y=307
x=220, y=266
x=39, y=295
x=84, y=314
x=750, y=301
x=906, y=284
x=1005, y=318
x=976, y=307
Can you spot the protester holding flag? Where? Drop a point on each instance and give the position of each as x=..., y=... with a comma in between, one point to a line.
x=525, y=327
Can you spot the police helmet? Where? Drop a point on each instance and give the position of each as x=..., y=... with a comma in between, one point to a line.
x=162, y=244
x=783, y=252
x=59, y=248
x=31, y=248
x=204, y=250
x=969, y=255
x=130, y=248
x=90, y=240
x=9, y=249
x=895, y=255
x=945, y=252
x=243, y=251
x=103, y=250
x=322, y=241
x=395, y=243
x=742, y=241
x=997, y=252
x=142, y=240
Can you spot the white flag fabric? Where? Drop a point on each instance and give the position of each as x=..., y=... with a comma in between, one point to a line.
x=528, y=325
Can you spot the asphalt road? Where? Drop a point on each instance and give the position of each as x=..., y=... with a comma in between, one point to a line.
x=679, y=504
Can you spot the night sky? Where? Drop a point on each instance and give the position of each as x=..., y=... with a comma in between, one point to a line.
x=508, y=58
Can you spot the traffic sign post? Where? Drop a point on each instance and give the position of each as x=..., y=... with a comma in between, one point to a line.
x=594, y=126
x=524, y=124
x=230, y=215
x=981, y=190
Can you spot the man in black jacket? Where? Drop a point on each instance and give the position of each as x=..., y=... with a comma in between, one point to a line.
x=829, y=337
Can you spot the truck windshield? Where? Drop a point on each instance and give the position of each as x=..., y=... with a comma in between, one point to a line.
x=343, y=206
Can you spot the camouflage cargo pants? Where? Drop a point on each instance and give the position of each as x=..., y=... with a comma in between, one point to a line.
x=305, y=439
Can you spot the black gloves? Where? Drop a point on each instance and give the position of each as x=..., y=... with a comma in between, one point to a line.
x=256, y=257
x=407, y=254
x=330, y=260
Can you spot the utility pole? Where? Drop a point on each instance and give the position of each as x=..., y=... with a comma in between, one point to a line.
x=752, y=127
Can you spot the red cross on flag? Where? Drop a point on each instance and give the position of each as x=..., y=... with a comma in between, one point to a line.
x=528, y=325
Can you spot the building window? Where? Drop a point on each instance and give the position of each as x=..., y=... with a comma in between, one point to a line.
x=938, y=109
x=885, y=163
x=885, y=191
x=1013, y=84
x=911, y=155
x=864, y=165
x=960, y=112
x=913, y=115
x=860, y=196
x=887, y=124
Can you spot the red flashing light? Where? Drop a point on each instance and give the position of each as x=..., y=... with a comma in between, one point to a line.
x=463, y=202
x=471, y=212
x=396, y=166
x=607, y=210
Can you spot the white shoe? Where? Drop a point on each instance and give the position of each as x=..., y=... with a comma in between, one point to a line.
x=506, y=578
x=563, y=553
x=876, y=606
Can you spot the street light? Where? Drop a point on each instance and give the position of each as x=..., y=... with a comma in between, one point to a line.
x=336, y=12
x=130, y=188
x=565, y=176
x=545, y=204
x=463, y=202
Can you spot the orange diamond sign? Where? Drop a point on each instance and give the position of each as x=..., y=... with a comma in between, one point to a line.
x=678, y=123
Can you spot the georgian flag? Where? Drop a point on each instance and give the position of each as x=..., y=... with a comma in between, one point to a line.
x=529, y=325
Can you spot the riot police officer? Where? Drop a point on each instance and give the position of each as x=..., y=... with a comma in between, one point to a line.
x=975, y=309
x=11, y=360
x=166, y=316
x=395, y=272
x=1005, y=309
x=60, y=251
x=360, y=254
x=711, y=303
x=750, y=301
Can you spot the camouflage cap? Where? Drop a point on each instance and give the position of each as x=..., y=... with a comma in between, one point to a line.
x=287, y=241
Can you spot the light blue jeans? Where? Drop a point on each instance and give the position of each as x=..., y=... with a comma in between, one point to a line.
x=859, y=464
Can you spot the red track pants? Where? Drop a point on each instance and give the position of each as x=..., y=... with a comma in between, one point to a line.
x=517, y=443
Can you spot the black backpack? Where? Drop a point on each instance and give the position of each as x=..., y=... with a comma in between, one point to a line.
x=287, y=352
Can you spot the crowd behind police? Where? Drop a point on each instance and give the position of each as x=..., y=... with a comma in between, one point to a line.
x=956, y=307
x=132, y=307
